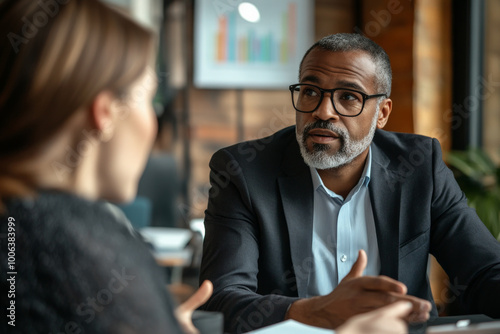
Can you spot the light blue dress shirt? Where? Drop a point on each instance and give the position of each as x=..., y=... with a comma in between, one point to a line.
x=341, y=227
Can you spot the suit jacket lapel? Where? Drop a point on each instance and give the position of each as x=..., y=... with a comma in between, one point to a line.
x=385, y=195
x=297, y=198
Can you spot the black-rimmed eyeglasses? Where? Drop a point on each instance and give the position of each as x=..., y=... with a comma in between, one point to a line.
x=307, y=98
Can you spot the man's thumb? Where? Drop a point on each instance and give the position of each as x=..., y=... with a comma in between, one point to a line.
x=359, y=266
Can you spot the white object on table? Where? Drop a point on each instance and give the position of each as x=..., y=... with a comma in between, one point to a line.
x=292, y=327
x=198, y=225
x=166, y=238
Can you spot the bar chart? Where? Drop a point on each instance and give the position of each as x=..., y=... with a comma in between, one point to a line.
x=248, y=46
x=232, y=52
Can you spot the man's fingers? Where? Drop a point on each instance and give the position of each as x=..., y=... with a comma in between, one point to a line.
x=373, y=299
x=420, y=306
x=200, y=296
x=382, y=283
x=398, y=309
x=359, y=266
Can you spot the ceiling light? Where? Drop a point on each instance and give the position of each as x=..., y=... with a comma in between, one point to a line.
x=249, y=12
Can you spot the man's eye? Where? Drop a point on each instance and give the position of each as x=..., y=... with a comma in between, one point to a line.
x=310, y=92
x=348, y=96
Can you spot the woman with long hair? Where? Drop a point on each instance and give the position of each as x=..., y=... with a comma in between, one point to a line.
x=76, y=127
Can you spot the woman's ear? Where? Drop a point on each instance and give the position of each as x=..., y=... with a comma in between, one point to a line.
x=103, y=114
x=385, y=111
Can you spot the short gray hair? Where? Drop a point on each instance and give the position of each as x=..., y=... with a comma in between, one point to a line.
x=355, y=42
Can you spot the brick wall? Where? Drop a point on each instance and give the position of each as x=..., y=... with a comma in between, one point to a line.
x=491, y=90
x=433, y=70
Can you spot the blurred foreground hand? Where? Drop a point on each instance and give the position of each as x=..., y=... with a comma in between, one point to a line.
x=184, y=312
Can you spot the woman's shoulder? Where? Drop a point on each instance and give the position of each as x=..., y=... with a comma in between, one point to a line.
x=62, y=225
x=52, y=213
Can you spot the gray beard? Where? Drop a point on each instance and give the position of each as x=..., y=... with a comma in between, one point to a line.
x=349, y=149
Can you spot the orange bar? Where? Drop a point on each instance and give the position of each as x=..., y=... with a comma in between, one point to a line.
x=222, y=39
x=292, y=28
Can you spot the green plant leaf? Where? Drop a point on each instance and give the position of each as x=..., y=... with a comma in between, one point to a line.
x=460, y=161
x=478, y=178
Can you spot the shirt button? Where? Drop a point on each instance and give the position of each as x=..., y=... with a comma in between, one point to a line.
x=343, y=258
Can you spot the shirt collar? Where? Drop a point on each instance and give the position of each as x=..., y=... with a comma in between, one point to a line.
x=363, y=181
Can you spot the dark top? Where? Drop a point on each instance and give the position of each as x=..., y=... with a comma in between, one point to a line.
x=78, y=270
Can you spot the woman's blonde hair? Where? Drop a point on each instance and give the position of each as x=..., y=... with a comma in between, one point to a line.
x=56, y=56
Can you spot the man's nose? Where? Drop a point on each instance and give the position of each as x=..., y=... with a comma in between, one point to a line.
x=326, y=111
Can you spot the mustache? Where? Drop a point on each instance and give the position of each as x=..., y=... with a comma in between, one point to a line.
x=321, y=124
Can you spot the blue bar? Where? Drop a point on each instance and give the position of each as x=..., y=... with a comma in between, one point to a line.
x=232, y=45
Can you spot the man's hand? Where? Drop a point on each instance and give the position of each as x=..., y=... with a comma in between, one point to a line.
x=386, y=320
x=184, y=312
x=356, y=294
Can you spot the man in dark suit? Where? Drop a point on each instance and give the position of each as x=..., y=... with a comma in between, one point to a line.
x=334, y=216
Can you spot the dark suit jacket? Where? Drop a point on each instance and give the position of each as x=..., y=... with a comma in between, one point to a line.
x=259, y=227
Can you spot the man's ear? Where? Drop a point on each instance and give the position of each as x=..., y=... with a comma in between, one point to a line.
x=385, y=111
x=103, y=114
